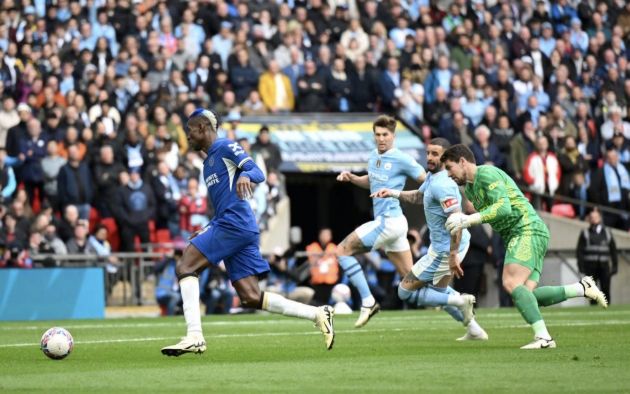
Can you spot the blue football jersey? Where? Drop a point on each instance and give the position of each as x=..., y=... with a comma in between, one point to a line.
x=221, y=170
x=441, y=197
x=390, y=171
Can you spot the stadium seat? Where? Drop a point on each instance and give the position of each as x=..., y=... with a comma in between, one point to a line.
x=564, y=210
x=93, y=219
x=112, y=229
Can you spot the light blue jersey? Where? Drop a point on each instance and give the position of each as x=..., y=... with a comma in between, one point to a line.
x=390, y=171
x=441, y=197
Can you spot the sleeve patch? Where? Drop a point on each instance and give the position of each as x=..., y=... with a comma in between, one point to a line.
x=449, y=202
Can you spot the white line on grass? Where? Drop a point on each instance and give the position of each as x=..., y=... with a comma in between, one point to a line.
x=276, y=334
x=493, y=315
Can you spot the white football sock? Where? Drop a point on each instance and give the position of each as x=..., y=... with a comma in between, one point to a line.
x=455, y=300
x=540, y=330
x=474, y=328
x=276, y=303
x=368, y=301
x=190, y=296
x=574, y=290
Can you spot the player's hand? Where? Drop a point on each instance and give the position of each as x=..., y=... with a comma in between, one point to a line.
x=383, y=193
x=244, y=188
x=459, y=221
x=344, y=176
x=455, y=266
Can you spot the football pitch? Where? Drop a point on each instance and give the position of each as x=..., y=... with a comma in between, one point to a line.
x=410, y=351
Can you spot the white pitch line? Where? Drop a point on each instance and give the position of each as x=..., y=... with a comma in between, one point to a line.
x=421, y=314
x=277, y=334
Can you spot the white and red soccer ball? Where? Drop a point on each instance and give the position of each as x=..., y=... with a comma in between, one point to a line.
x=57, y=343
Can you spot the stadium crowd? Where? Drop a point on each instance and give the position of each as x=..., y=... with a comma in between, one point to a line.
x=95, y=94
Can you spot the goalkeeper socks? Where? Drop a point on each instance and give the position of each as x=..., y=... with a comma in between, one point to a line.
x=355, y=274
x=574, y=290
x=275, y=303
x=527, y=305
x=550, y=295
x=189, y=287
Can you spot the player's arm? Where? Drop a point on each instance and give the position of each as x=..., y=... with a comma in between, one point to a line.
x=410, y=196
x=250, y=173
x=362, y=181
x=453, y=261
x=500, y=206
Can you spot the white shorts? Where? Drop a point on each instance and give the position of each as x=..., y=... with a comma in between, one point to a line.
x=433, y=266
x=385, y=232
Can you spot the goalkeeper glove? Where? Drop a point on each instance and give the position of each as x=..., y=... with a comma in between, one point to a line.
x=458, y=221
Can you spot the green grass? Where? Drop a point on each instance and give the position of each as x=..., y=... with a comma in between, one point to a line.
x=411, y=351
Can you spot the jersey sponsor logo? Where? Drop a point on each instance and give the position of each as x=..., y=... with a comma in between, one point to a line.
x=379, y=177
x=236, y=148
x=212, y=179
x=448, y=202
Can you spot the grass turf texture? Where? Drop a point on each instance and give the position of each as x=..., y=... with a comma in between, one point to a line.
x=408, y=351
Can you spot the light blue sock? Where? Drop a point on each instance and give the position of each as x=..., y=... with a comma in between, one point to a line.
x=454, y=311
x=423, y=296
x=354, y=272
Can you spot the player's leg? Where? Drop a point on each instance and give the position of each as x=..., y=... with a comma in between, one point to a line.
x=403, y=261
x=188, y=268
x=426, y=284
x=394, y=240
x=244, y=268
x=550, y=295
x=359, y=241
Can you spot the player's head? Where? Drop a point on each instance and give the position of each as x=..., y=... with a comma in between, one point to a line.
x=435, y=149
x=384, y=129
x=458, y=160
x=202, y=127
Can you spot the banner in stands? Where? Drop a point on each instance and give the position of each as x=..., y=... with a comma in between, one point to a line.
x=329, y=147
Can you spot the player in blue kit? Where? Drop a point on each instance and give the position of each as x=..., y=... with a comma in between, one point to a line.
x=427, y=283
x=388, y=167
x=232, y=237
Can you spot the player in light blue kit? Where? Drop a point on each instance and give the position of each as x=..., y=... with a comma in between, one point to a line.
x=427, y=283
x=389, y=168
x=232, y=237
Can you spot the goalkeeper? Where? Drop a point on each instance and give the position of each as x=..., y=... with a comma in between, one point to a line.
x=500, y=203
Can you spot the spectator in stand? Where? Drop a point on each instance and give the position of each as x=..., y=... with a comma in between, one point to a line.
x=32, y=150
x=18, y=132
x=52, y=164
x=571, y=164
x=615, y=124
x=193, y=209
x=167, y=287
x=485, y=151
x=11, y=233
x=9, y=118
x=75, y=184
x=324, y=266
x=79, y=244
x=363, y=86
x=269, y=151
x=243, y=76
x=312, y=90
x=106, y=173
x=542, y=174
x=275, y=90
x=610, y=186
x=133, y=208
x=167, y=196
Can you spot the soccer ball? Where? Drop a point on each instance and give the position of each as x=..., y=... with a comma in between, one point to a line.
x=57, y=343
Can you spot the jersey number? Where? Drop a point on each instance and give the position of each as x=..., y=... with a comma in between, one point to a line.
x=236, y=148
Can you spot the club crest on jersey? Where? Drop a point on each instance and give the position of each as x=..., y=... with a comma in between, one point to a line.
x=211, y=160
x=387, y=166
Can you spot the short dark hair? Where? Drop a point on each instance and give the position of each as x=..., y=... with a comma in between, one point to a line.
x=456, y=152
x=439, y=141
x=385, y=121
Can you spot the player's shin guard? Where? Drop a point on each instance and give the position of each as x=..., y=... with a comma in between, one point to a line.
x=527, y=305
x=189, y=287
x=275, y=303
x=354, y=272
